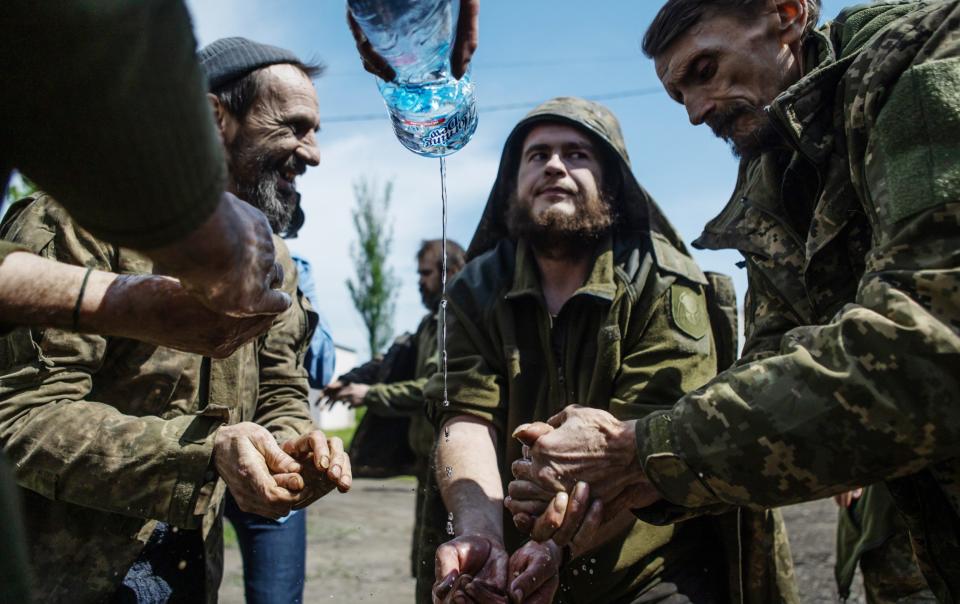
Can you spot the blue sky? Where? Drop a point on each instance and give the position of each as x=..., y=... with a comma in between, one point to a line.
x=530, y=50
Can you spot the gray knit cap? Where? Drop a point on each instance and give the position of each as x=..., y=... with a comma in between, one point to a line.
x=228, y=59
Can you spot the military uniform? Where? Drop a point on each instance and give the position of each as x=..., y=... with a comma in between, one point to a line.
x=110, y=435
x=851, y=244
x=871, y=533
x=631, y=340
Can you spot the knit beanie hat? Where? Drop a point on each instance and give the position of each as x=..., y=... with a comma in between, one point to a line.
x=228, y=59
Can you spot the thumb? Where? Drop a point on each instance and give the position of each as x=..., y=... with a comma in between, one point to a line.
x=277, y=461
x=529, y=433
x=273, y=302
x=292, y=482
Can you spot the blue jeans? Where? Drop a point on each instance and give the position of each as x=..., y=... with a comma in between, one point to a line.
x=274, y=555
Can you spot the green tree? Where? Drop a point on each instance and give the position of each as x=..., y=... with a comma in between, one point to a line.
x=374, y=287
x=18, y=188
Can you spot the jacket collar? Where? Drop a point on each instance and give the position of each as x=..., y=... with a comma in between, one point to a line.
x=600, y=282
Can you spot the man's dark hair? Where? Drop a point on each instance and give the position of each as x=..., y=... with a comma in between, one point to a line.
x=239, y=95
x=456, y=257
x=677, y=16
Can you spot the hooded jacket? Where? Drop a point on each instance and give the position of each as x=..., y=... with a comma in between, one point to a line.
x=634, y=338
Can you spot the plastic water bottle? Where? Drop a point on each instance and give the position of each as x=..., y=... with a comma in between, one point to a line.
x=433, y=114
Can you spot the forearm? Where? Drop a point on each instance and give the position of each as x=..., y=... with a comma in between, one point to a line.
x=41, y=292
x=769, y=433
x=469, y=477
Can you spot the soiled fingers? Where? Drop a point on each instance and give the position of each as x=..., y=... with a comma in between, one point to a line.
x=340, y=471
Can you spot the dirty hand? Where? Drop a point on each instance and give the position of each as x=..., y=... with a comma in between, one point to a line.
x=229, y=262
x=535, y=573
x=471, y=568
x=158, y=310
x=324, y=465
x=588, y=445
x=262, y=478
x=353, y=394
x=555, y=517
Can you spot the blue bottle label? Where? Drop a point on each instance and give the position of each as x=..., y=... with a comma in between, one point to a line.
x=451, y=127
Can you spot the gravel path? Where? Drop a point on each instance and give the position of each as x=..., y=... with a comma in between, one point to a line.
x=360, y=548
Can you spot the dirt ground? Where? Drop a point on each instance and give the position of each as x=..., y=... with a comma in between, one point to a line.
x=359, y=548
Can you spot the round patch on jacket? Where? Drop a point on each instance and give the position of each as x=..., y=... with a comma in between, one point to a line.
x=688, y=311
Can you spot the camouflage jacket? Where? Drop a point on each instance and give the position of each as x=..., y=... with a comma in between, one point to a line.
x=631, y=340
x=852, y=245
x=110, y=435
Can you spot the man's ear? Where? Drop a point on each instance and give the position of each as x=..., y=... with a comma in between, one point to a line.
x=793, y=20
x=221, y=116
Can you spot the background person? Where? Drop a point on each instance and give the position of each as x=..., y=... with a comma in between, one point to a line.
x=393, y=387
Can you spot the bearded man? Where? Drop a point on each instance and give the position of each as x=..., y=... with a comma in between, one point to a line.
x=847, y=215
x=579, y=291
x=120, y=445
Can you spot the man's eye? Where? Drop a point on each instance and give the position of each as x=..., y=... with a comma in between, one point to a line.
x=538, y=156
x=577, y=155
x=706, y=70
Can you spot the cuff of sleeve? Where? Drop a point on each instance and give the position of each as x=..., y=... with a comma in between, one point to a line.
x=197, y=480
x=376, y=402
x=665, y=468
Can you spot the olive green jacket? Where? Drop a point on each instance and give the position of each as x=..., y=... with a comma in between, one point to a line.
x=110, y=435
x=406, y=397
x=634, y=338
x=852, y=247
x=104, y=105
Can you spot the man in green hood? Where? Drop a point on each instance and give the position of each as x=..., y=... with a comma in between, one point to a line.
x=578, y=291
x=847, y=215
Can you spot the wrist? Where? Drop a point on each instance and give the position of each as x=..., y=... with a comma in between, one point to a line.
x=623, y=444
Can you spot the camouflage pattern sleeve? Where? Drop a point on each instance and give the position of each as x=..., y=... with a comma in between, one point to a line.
x=282, y=404
x=868, y=396
x=66, y=445
x=765, y=321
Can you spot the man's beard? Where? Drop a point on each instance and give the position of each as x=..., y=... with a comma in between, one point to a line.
x=561, y=236
x=257, y=180
x=763, y=137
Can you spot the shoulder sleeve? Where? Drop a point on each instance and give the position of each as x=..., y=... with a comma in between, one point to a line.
x=121, y=88
x=475, y=361
x=282, y=405
x=64, y=443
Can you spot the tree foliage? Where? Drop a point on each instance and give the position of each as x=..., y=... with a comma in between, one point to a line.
x=18, y=188
x=374, y=287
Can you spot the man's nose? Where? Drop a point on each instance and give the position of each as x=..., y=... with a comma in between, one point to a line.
x=308, y=150
x=555, y=165
x=698, y=109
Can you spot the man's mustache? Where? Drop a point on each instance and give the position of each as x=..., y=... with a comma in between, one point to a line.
x=723, y=121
